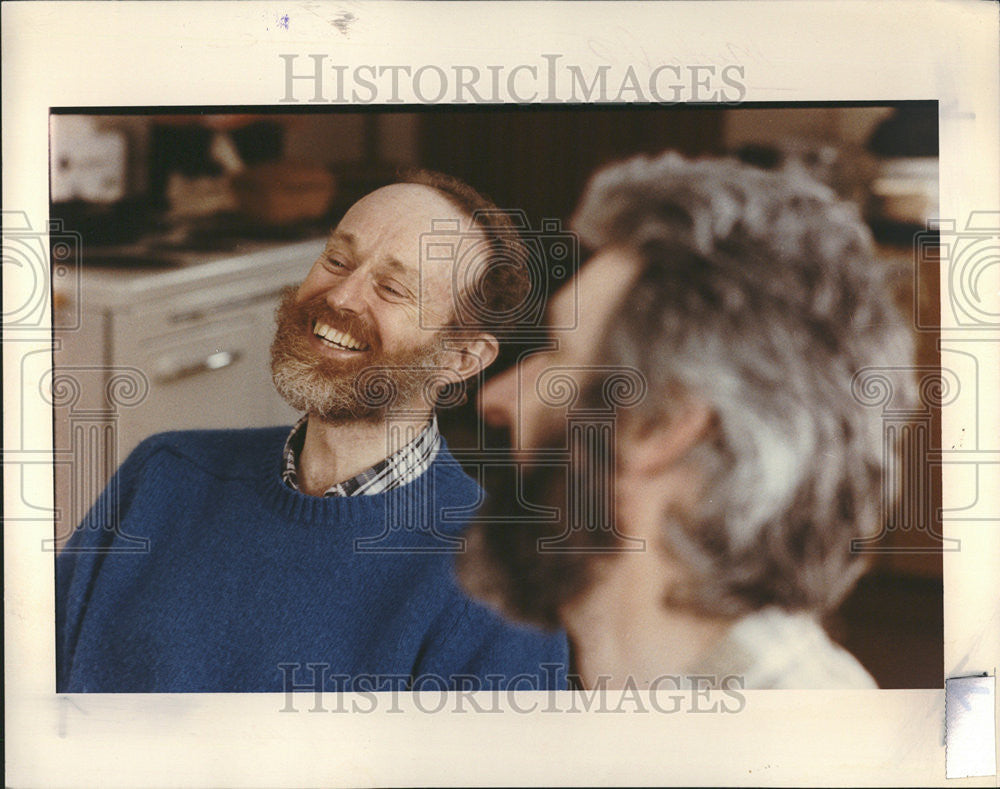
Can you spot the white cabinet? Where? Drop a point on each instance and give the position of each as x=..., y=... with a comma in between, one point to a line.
x=211, y=373
x=178, y=348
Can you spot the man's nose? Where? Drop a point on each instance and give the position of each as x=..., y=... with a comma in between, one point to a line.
x=498, y=399
x=349, y=293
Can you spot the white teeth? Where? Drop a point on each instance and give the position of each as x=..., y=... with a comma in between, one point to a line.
x=337, y=337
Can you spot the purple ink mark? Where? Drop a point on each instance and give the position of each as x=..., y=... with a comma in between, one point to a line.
x=283, y=21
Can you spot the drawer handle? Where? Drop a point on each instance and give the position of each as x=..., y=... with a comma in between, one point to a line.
x=216, y=361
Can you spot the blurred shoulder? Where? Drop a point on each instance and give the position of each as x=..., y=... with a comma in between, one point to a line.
x=773, y=648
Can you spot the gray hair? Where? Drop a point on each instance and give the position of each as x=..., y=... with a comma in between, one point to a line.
x=759, y=296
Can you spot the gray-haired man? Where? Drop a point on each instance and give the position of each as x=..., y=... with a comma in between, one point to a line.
x=744, y=302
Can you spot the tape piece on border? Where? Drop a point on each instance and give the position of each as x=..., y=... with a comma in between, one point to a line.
x=970, y=730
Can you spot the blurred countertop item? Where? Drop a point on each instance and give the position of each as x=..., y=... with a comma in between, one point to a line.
x=283, y=193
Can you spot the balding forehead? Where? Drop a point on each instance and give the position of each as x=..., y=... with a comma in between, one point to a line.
x=408, y=213
x=434, y=200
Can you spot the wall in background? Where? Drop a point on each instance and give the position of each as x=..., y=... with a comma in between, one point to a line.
x=845, y=125
x=345, y=138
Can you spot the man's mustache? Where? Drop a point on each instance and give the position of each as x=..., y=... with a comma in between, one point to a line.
x=316, y=309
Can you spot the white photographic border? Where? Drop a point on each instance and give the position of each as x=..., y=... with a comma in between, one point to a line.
x=122, y=54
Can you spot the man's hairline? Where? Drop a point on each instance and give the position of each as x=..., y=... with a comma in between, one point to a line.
x=452, y=326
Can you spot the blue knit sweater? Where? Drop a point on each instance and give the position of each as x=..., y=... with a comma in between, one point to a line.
x=220, y=578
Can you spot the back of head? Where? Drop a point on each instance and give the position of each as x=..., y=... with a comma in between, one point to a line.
x=759, y=296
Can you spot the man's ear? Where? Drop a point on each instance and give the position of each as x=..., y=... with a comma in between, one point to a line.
x=473, y=354
x=652, y=447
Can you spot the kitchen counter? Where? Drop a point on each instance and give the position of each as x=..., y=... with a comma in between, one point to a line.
x=124, y=287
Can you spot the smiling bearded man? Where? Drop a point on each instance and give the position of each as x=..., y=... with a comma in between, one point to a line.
x=337, y=391
x=319, y=557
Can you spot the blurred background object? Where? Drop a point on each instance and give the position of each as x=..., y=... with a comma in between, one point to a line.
x=283, y=193
x=904, y=193
x=88, y=164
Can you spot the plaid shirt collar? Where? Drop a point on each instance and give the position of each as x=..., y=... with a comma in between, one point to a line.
x=402, y=466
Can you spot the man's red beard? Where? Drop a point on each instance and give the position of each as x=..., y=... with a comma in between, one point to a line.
x=366, y=388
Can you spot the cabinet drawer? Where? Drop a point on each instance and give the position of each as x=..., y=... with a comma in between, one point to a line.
x=217, y=375
x=193, y=311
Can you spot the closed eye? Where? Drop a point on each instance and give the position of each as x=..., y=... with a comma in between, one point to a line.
x=392, y=291
x=333, y=263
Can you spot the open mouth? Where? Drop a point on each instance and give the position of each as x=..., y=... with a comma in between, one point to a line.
x=342, y=341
